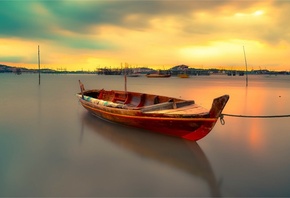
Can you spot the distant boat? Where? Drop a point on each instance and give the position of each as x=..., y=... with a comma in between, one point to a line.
x=183, y=75
x=18, y=71
x=162, y=114
x=231, y=73
x=134, y=75
x=158, y=75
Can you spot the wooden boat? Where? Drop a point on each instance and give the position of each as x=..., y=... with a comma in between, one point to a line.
x=167, y=115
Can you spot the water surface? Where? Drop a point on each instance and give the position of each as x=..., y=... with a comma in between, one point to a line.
x=50, y=146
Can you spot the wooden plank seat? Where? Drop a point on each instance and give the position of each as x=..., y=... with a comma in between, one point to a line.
x=120, y=97
x=157, y=107
x=150, y=100
x=171, y=104
x=188, y=110
x=136, y=100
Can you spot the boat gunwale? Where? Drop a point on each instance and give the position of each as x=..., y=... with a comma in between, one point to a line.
x=149, y=110
x=144, y=116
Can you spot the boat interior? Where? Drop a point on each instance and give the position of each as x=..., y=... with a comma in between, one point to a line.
x=135, y=99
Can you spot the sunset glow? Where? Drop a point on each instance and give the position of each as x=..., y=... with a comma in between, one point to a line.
x=87, y=35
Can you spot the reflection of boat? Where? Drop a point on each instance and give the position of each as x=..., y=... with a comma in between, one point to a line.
x=171, y=116
x=186, y=156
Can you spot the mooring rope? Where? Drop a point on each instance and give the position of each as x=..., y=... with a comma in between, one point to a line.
x=250, y=116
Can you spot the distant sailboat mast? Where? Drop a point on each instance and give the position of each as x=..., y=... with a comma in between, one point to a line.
x=246, y=66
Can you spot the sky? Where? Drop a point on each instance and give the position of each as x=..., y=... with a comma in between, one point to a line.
x=90, y=34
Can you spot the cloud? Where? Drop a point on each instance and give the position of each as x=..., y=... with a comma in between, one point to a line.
x=35, y=21
x=40, y=19
x=11, y=59
x=149, y=29
x=19, y=20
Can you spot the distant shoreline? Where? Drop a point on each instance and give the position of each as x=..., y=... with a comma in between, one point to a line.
x=174, y=71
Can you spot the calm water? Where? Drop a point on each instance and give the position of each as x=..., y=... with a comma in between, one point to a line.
x=50, y=146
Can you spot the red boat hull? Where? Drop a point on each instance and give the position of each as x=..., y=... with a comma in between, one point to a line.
x=188, y=128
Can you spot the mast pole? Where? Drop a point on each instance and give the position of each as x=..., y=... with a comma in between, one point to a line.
x=125, y=77
x=38, y=65
x=246, y=66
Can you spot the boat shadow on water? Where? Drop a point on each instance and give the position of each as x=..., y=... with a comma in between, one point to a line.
x=177, y=153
